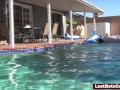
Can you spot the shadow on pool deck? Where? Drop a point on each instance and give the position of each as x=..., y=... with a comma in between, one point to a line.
x=37, y=45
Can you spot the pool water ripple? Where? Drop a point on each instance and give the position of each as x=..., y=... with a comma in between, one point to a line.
x=71, y=68
x=13, y=70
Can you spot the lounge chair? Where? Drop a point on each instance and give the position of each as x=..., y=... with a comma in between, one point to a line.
x=45, y=32
x=55, y=29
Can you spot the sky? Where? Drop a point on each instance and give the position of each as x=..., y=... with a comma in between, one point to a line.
x=110, y=7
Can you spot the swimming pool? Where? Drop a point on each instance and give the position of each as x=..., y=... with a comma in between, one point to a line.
x=72, y=68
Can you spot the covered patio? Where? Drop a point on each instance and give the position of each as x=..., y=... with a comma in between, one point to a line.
x=57, y=5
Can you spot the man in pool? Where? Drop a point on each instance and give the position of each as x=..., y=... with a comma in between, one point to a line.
x=100, y=40
x=94, y=39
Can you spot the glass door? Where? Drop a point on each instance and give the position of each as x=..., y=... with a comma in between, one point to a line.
x=17, y=18
x=2, y=11
x=57, y=18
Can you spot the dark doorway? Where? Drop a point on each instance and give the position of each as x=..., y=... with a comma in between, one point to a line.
x=2, y=11
x=58, y=18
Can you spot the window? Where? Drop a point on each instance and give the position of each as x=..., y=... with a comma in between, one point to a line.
x=22, y=15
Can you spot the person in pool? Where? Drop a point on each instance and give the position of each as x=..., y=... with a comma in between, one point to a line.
x=100, y=40
x=95, y=39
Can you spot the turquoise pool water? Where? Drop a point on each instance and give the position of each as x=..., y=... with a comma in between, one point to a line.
x=73, y=68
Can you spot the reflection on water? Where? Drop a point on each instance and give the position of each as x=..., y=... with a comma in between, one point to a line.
x=72, y=68
x=13, y=70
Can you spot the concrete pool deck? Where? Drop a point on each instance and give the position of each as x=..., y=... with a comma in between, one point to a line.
x=32, y=47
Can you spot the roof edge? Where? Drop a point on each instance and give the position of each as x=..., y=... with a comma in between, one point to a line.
x=91, y=5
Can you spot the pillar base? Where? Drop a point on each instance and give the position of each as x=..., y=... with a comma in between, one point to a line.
x=94, y=33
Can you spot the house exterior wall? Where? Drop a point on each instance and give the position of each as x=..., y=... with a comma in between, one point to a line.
x=113, y=20
x=39, y=14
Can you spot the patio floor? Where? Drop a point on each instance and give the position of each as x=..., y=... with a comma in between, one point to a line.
x=38, y=45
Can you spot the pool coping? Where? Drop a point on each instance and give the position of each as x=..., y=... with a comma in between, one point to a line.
x=45, y=47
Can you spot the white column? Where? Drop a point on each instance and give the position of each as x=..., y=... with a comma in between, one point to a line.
x=11, y=23
x=49, y=21
x=71, y=25
x=64, y=24
x=85, y=26
x=94, y=24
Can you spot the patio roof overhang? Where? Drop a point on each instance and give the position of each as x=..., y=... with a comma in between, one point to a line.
x=60, y=5
x=67, y=5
